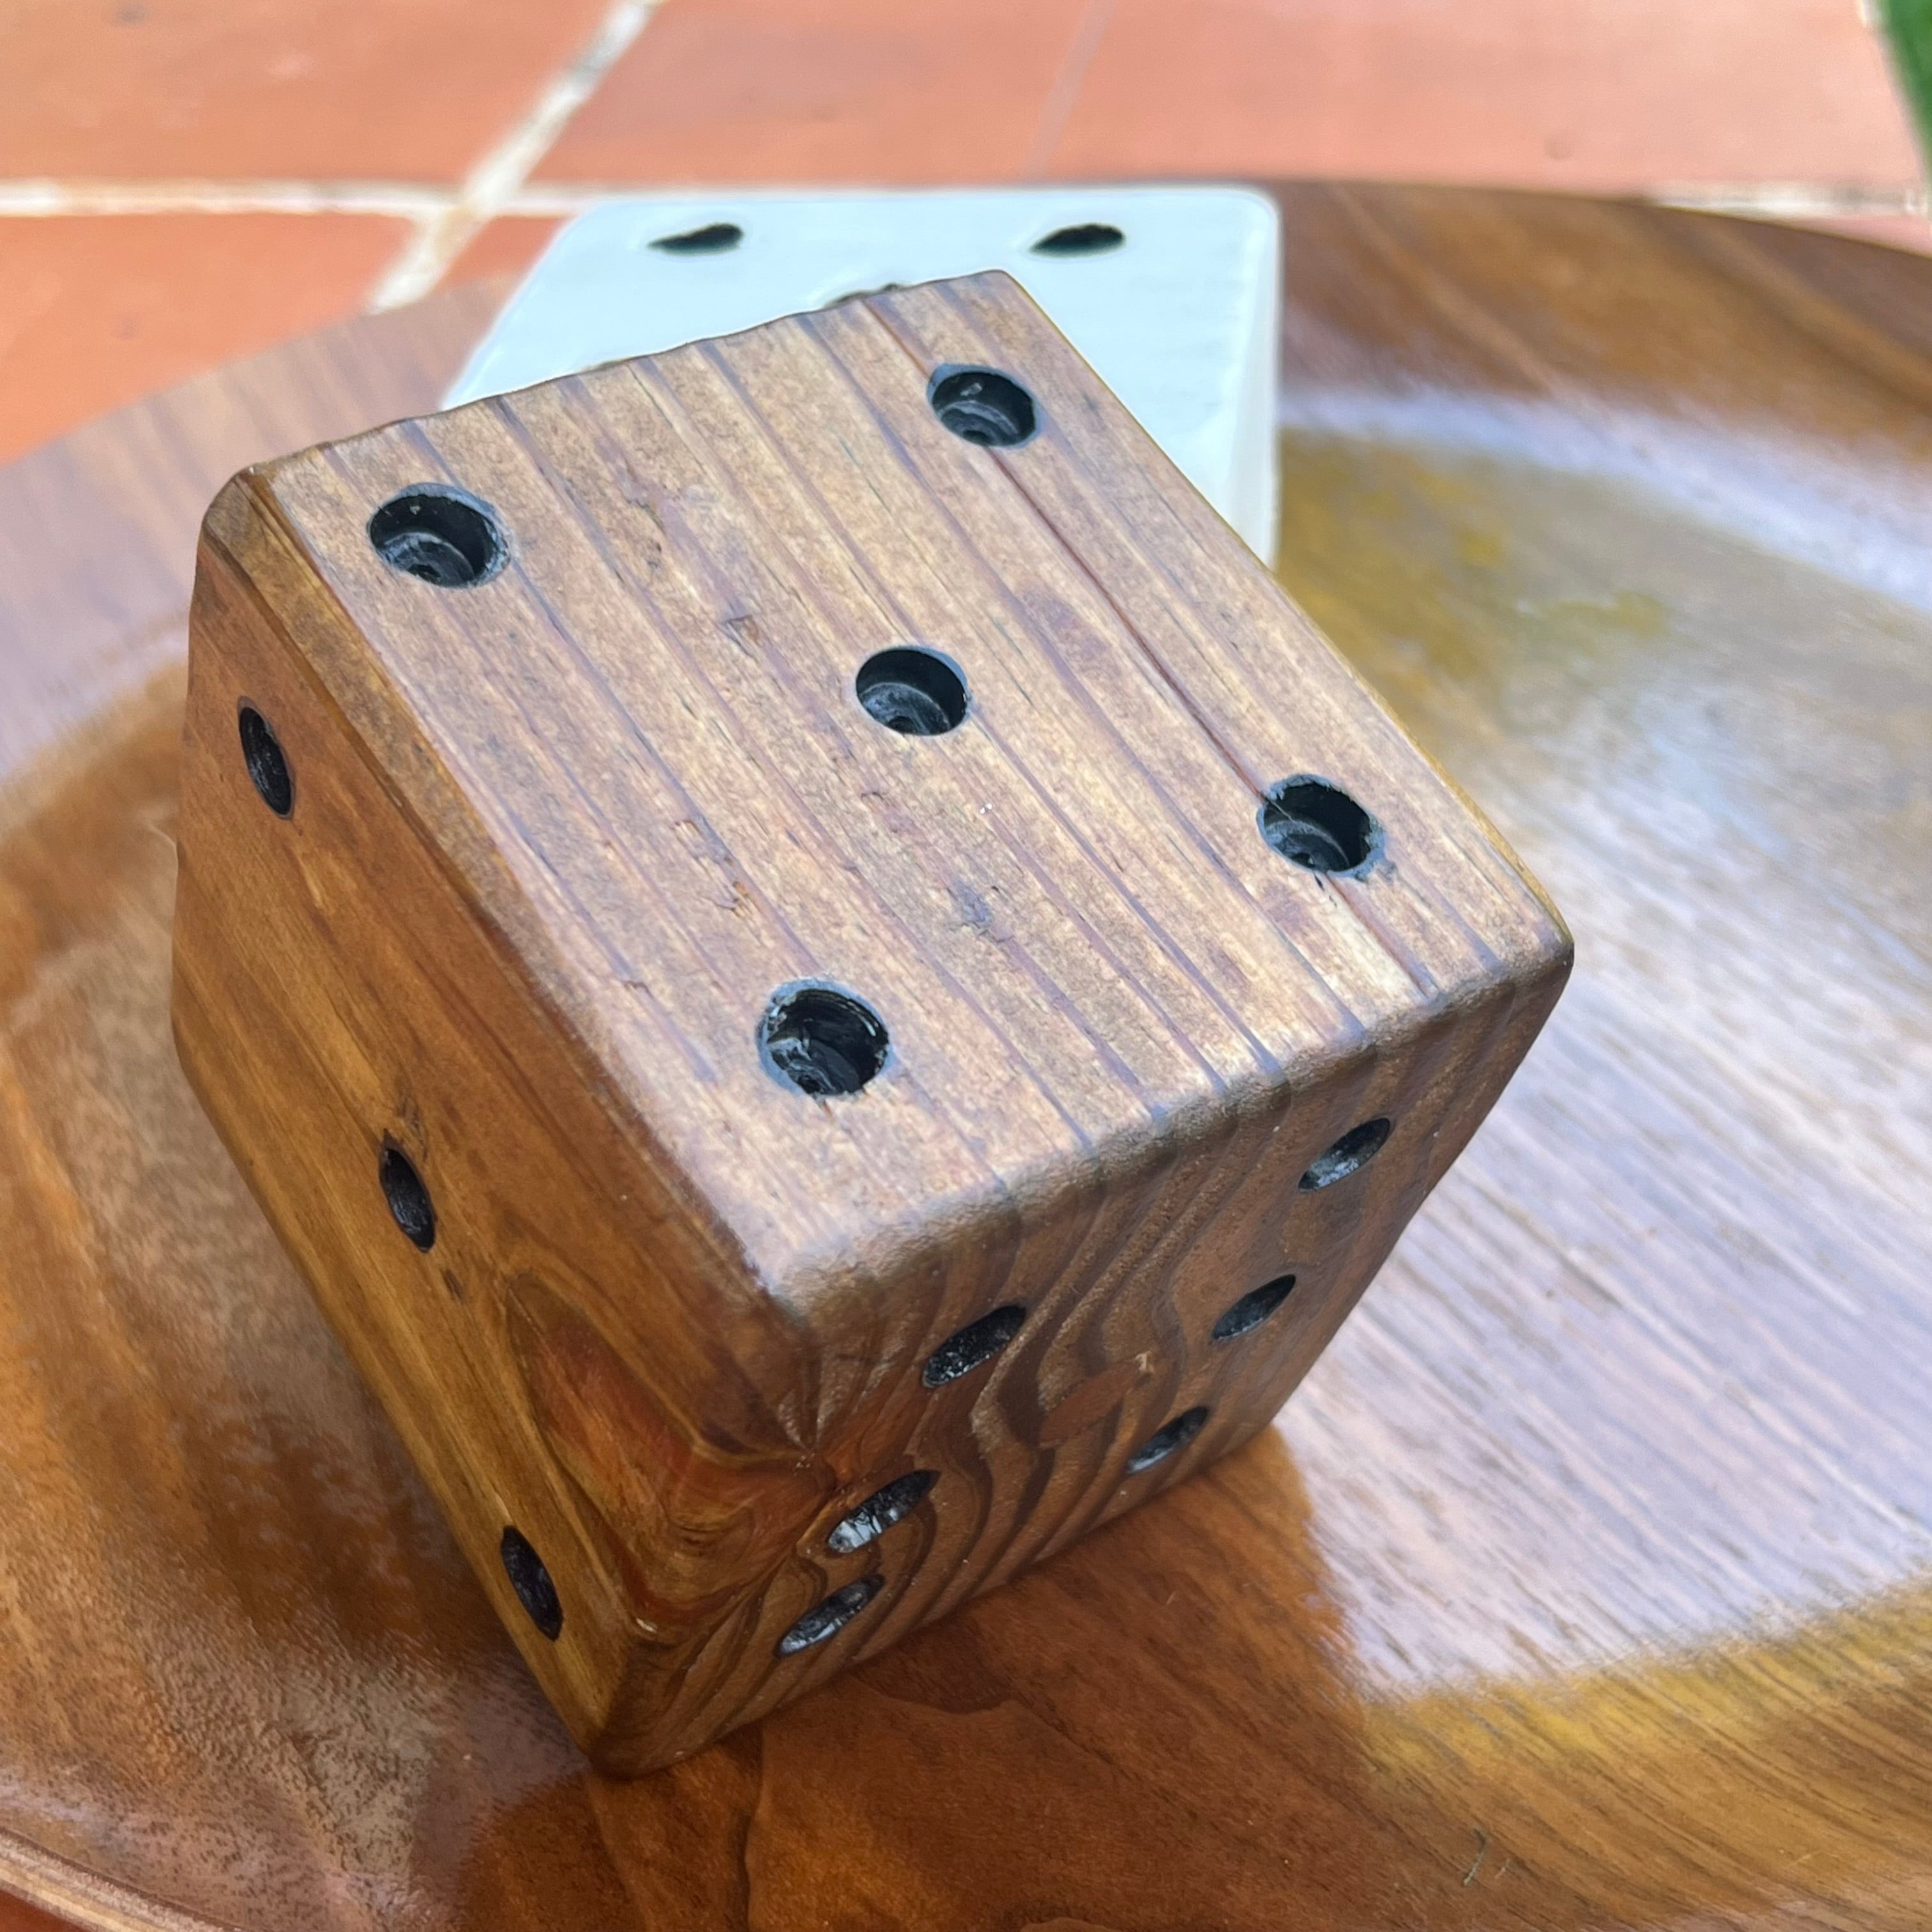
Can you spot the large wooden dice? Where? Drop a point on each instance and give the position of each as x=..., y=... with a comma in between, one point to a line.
x=829, y=984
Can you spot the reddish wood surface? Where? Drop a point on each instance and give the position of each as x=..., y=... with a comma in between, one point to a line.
x=1587, y=1581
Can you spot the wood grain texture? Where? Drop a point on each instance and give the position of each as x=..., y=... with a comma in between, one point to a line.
x=571, y=826
x=1586, y=1581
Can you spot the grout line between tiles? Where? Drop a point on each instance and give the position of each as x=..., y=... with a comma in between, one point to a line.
x=45, y=197
x=1057, y=109
x=447, y=218
x=40, y=195
x=1793, y=200
x=498, y=177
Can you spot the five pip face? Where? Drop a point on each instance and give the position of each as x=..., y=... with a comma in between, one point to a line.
x=829, y=984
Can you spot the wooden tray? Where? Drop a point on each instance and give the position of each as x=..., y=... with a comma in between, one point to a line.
x=1589, y=1581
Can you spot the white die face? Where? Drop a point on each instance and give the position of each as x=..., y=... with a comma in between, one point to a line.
x=1170, y=293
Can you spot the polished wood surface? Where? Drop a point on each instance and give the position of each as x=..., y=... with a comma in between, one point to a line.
x=1586, y=1581
x=538, y=849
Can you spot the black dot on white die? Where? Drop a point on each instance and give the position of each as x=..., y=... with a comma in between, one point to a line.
x=1318, y=826
x=267, y=764
x=1252, y=1309
x=822, y=1041
x=1081, y=237
x=440, y=534
x=983, y=406
x=532, y=1582
x=826, y=1619
x=1167, y=1440
x=714, y=238
x=1349, y=1155
x=409, y=1205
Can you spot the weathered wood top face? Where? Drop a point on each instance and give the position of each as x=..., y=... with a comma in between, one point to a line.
x=645, y=754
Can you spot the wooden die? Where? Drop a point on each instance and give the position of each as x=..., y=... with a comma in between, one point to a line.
x=828, y=983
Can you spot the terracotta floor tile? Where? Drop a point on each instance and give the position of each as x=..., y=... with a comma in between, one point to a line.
x=504, y=247
x=889, y=91
x=402, y=89
x=96, y=311
x=1604, y=95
